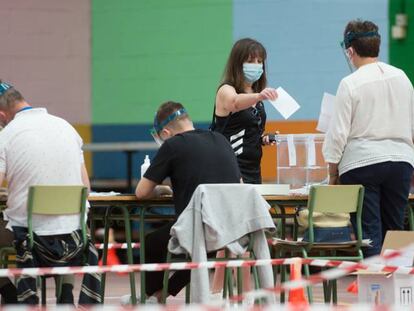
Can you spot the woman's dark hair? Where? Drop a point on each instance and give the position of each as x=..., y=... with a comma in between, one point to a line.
x=244, y=50
x=364, y=46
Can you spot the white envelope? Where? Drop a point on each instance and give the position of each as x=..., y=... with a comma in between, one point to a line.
x=285, y=104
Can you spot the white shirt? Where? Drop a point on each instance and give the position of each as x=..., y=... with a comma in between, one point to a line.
x=373, y=119
x=37, y=148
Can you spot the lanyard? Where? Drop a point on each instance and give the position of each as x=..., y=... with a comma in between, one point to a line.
x=25, y=108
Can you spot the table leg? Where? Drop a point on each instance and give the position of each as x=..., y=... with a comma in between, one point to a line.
x=283, y=220
x=105, y=250
x=410, y=216
x=142, y=251
x=129, y=253
x=92, y=227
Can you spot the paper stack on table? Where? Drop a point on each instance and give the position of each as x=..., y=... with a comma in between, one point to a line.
x=103, y=194
x=285, y=104
x=325, y=116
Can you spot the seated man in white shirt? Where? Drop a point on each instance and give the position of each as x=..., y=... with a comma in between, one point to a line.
x=370, y=139
x=35, y=148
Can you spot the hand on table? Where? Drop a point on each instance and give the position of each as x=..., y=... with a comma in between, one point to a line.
x=162, y=190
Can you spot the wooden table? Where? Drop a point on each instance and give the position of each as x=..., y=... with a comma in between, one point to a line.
x=127, y=204
x=131, y=208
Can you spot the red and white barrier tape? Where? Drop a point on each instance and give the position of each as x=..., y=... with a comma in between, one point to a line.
x=117, y=245
x=143, y=267
x=342, y=267
x=212, y=307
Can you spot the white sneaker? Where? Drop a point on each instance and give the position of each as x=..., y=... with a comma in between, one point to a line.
x=126, y=300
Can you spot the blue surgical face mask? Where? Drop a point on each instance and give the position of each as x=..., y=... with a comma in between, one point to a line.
x=252, y=72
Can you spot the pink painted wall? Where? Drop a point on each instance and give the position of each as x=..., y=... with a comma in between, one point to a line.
x=45, y=53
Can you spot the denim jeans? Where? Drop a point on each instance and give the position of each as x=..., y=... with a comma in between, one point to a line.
x=329, y=235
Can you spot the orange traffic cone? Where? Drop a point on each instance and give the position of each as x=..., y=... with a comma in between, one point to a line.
x=112, y=260
x=297, y=296
x=353, y=288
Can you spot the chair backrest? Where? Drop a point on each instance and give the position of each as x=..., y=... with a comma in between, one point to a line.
x=54, y=201
x=335, y=199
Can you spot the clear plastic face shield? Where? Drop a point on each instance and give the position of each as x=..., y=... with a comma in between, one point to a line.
x=345, y=52
x=348, y=38
x=157, y=127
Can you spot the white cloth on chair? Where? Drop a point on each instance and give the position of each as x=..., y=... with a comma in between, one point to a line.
x=217, y=216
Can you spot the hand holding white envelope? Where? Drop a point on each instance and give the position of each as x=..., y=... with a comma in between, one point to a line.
x=285, y=104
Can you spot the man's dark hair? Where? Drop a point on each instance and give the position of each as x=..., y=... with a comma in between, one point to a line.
x=9, y=98
x=166, y=109
x=363, y=37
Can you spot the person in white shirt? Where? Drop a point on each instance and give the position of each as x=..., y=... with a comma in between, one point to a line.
x=370, y=139
x=35, y=148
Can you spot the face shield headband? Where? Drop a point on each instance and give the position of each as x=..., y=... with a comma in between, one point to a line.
x=4, y=87
x=157, y=128
x=351, y=36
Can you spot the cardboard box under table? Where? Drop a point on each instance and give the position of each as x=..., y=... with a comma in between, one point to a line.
x=389, y=288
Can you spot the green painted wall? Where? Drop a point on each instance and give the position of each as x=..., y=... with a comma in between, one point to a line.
x=145, y=52
x=402, y=51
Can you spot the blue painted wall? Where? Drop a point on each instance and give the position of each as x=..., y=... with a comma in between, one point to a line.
x=302, y=40
x=108, y=165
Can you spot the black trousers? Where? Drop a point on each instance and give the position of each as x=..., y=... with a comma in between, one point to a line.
x=387, y=186
x=156, y=244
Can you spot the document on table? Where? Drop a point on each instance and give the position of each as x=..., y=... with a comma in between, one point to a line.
x=325, y=115
x=104, y=194
x=285, y=104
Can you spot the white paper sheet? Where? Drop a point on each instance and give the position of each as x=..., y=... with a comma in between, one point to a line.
x=325, y=115
x=311, y=154
x=285, y=104
x=291, y=150
x=103, y=194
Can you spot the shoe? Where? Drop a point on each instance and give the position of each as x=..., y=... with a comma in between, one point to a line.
x=216, y=296
x=126, y=300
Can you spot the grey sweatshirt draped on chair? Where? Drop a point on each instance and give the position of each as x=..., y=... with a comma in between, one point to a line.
x=218, y=216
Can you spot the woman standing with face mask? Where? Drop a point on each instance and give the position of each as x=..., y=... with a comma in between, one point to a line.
x=239, y=112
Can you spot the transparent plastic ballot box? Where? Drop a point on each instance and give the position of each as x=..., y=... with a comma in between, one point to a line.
x=299, y=160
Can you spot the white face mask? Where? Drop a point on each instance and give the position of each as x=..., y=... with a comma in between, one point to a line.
x=252, y=72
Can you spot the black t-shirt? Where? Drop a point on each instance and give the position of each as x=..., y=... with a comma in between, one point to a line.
x=193, y=158
x=244, y=130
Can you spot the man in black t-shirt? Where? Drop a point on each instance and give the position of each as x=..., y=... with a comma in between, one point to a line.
x=189, y=157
